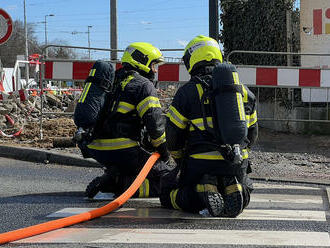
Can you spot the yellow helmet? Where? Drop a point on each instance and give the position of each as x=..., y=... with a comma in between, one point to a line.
x=200, y=51
x=140, y=55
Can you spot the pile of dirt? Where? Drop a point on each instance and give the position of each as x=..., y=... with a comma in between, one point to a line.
x=51, y=129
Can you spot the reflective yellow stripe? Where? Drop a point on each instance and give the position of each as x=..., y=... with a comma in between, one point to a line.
x=251, y=119
x=177, y=154
x=84, y=93
x=200, y=123
x=173, y=198
x=112, y=144
x=144, y=189
x=126, y=81
x=245, y=154
x=206, y=188
x=214, y=155
x=147, y=103
x=92, y=72
x=159, y=141
x=201, y=92
x=233, y=188
x=125, y=107
x=245, y=94
x=239, y=99
x=176, y=118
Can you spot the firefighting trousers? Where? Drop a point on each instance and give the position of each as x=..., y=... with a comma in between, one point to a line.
x=126, y=164
x=178, y=187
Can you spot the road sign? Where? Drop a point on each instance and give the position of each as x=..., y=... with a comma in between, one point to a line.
x=6, y=26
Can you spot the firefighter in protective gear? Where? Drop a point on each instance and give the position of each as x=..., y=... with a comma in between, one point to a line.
x=204, y=179
x=135, y=111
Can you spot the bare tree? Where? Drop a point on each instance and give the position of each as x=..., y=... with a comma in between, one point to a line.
x=16, y=44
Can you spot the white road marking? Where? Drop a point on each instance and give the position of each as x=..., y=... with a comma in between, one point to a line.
x=248, y=214
x=182, y=236
x=282, y=198
x=282, y=186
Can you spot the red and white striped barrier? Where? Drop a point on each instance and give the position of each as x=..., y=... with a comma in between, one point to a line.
x=79, y=70
x=298, y=77
x=22, y=94
x=175, y=72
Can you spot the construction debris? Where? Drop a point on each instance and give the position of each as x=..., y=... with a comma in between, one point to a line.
x=57, y=124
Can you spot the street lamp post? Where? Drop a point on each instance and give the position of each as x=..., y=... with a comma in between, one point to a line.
x=89, y=42
x=88, y=36
x=46, y=31
x=27, y=71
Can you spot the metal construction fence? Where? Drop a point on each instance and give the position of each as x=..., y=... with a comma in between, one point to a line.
x=284, y=93
x=289, y=96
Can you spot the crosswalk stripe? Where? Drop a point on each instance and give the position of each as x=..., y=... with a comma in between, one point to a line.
x=248, y=214
x=283, y=186
x=270, y=202
x=182, y=236
x=301, y=199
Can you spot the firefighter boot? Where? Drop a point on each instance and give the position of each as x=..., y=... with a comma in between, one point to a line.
x=210, y=197
x=105, y=183
x=233, y=196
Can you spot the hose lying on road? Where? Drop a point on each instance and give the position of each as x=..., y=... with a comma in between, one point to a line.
x=71, y=220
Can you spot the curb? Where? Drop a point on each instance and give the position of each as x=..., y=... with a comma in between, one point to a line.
x=43, y=156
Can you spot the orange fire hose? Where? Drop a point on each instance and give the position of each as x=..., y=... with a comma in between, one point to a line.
x=71, y=220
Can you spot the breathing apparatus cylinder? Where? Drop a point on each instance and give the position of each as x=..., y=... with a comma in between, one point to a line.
x=229, y=107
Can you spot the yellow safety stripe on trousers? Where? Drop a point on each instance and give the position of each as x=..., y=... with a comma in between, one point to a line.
x=176, y=118
x=84, y=93
x=125, y=107
x=215, y=155
x=201, y=92
x=125, y=82
x=251, y=119
x=233, y=188
x=157, y=142
x=173, y=195
x=112, y=144
x=177, y=154
x=245, y=94
x=144, y=189
x=146, y=104
x=200, y=123
x=239, y=98
x=206, y=188
x=92, y=72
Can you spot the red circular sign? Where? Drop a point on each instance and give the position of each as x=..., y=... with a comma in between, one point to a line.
x=6, y=26
x=327, y=13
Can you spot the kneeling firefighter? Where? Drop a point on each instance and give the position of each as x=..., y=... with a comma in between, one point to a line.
x=134, y=109
x=210, y=126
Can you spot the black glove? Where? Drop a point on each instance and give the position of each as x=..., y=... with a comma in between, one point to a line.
x=164, y=153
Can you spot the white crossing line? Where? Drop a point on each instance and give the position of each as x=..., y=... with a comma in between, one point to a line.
x=182, y=236
x=283, y=198
x=248, y=214
x=282, y=186
x=264, y=207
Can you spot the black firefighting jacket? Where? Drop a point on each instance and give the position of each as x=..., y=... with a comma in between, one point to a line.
x=136, y=106
x=185, y=116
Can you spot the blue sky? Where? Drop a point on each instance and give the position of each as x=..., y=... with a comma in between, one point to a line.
x=164, y=23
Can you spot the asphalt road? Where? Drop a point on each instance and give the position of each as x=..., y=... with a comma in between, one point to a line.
x=285, y=215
